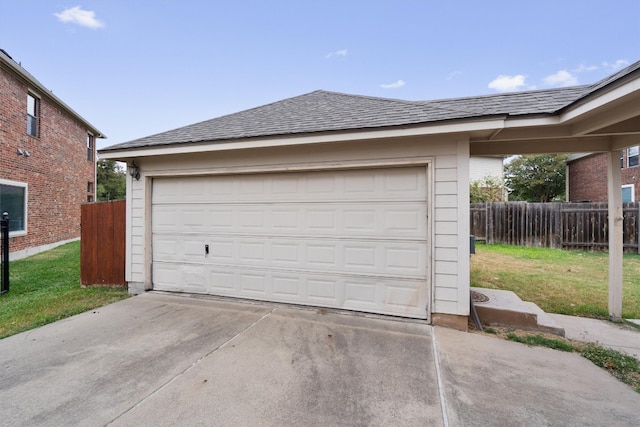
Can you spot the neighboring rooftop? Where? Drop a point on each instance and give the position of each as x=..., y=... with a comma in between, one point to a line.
x=323, y=111
x=16, y=67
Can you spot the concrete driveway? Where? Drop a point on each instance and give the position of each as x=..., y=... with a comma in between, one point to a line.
x=168, y=360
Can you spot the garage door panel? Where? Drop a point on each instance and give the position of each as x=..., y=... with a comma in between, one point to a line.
x=331, y=220
x=368, y=184
x=253, y=284
x=352, y=239
x=378, y=295
x=402, y=259
x=181, y=278
x=287, y=286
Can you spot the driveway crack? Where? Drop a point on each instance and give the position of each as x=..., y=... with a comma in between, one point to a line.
x=193, y=365
x=441, y=391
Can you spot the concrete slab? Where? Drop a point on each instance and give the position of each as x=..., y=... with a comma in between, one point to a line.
x=167, y=360
x=90, y=368
x=299, y=367
x=620, y=337
x=492, y=382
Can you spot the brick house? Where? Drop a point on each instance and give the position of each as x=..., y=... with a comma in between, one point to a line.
x=587, y=176
x=47, y=162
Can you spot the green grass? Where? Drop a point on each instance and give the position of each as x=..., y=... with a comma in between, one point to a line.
x=541, y=341
x=564, y=282
x=46, y=287
x=623, y=367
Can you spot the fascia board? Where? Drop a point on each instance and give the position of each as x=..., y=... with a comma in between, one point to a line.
x=597, y=102
x=450, y=128
x=531, y=122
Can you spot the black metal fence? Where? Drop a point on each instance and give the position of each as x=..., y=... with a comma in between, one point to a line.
x=582, y=226
x=4, y=254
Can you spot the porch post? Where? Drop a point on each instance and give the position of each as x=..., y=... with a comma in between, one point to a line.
x=615, y=236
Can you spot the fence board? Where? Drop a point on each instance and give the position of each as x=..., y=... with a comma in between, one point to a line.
x=582, y=226
x=102, y=243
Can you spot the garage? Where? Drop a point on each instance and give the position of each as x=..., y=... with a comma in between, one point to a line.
x=351, y=239
x=353, y=202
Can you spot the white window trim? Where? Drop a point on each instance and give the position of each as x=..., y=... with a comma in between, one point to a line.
x=91, y=144
x=635, y=155
x=26, y=198
x=38, y=107
x=633, y=191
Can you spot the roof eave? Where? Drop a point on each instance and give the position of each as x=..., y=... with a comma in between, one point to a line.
x=448, y=127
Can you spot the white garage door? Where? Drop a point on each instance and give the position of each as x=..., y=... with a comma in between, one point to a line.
x=350, y=239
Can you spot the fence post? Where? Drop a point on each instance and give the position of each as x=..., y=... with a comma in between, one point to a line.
x=4, y=236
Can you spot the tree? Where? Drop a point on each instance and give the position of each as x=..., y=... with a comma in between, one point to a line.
x=537, y=178
x=487, y=190
x=112, y=180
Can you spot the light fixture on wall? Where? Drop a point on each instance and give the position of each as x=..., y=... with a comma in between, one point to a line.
x=134, y=171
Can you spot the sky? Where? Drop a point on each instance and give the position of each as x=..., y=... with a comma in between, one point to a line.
x=134, y=68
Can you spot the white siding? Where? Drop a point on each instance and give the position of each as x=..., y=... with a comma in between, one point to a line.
x=482, y=167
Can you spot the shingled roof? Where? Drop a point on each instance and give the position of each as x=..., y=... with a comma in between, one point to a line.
x=323, y=111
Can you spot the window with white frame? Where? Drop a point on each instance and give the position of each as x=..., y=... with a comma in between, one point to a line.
x=632, y=156
x=628, y=193
x=13, y=201
x=33, y=112
x=89, y=146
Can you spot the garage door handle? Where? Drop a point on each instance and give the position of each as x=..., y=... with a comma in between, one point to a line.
x=206, y=249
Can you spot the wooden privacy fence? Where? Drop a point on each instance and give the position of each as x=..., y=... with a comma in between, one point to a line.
x=582, y=226
x=102, y=243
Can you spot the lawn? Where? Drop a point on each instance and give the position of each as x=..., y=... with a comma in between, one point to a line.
x=564, y=282
x=46, y=287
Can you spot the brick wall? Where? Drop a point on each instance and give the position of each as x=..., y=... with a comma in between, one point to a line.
x=588, y=178
x=57, y=171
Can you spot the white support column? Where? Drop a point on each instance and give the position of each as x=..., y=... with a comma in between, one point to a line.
x=615, y=236
x=463, y=228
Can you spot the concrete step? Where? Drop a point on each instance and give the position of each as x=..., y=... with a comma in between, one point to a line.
x=546, y=323
x=505, y=308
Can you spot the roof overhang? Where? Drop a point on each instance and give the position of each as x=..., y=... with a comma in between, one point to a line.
x=464, y=128
x=606, y=121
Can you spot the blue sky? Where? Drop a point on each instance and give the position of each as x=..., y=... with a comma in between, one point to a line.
x=134, y=67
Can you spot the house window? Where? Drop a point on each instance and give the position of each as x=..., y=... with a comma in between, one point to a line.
x=621, y=159
x=89, y=147
x=632, y=156
x=628, y=193
x=33, y=112
x=89, y=199
x=89, y=187
x=13, y=200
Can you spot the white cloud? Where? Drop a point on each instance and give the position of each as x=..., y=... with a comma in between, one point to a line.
x=504, y=83
x=561, y=78
x=395, y=85
x=620, y=63
x=341, y=52
x=582, y=67
x=79, y=16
